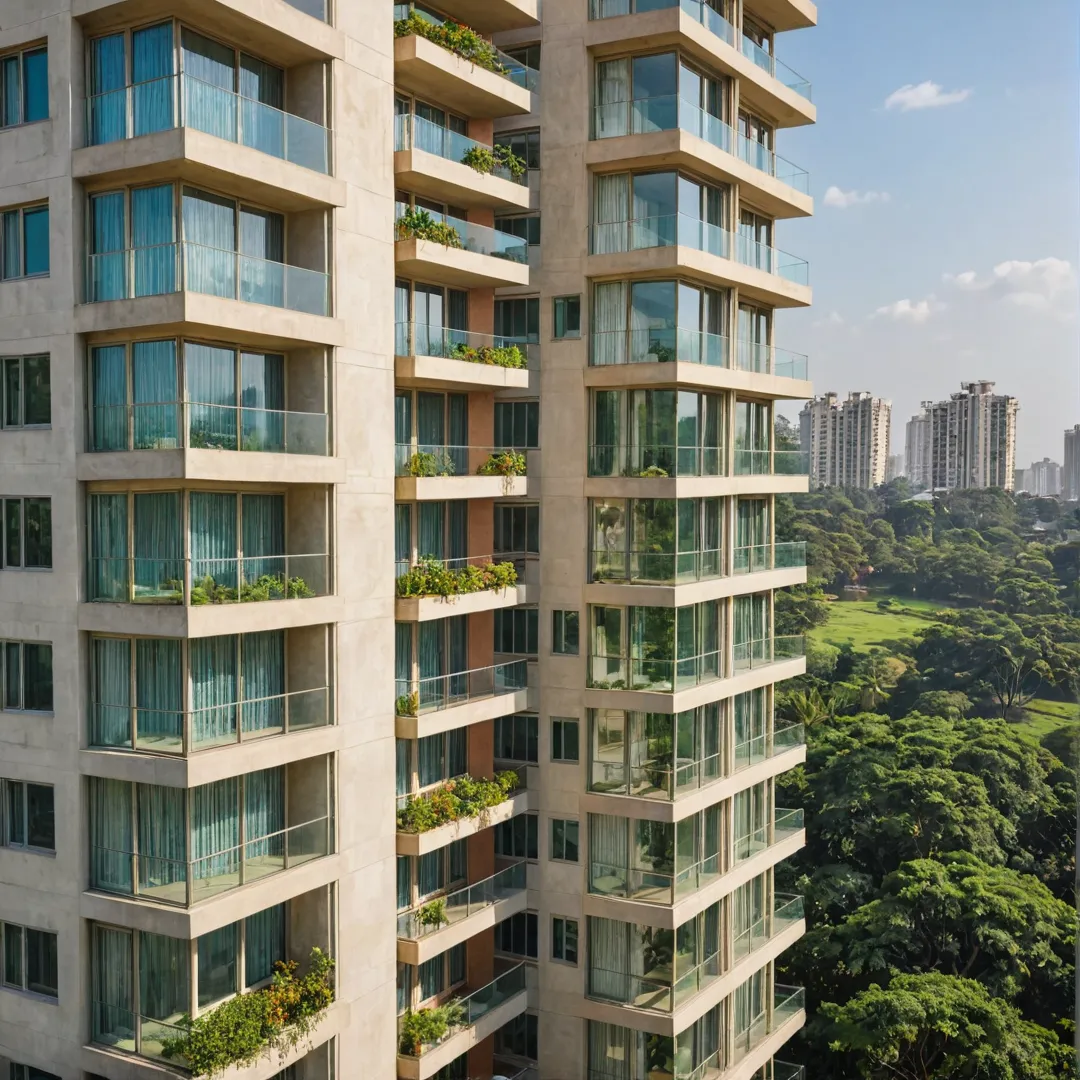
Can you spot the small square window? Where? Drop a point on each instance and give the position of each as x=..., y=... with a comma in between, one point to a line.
x=564, y=939
x=564, y=633
x=564, y=739
x=564, y=840
x=567, y=317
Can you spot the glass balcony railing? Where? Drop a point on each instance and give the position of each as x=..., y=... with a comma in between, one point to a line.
x=768, y=360
x=772, y=463
x=747, y=655
x=787, y=910
x=656, y=567
x=784, y=1070
x=655, y=675
x=452, y=565
x=459, y=905
x=757, y=749
x=418, y=339
x=657, y=779
x=656, y=460
x=711, y=19
x=169, y=268
x=781, y=72
x=413, y=132
x=172, y=425
x=432, y=459
x=788, y=737
x=207, y=581
x=682, y=230
x=458, y=234
x=185, y=101
x=668, y=112
x=159, y=731
x=660, y=886
x=654, y=992
x=760, y=557
x=786, y=823
x=480, y=1002
x=122, y=1029
x=187, y=882
x=420, y=696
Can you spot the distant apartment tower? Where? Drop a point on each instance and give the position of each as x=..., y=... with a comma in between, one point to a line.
x=968, y=441
x=895, y=468
x=1070, y=471
x=1044, y=478
x=848, y=441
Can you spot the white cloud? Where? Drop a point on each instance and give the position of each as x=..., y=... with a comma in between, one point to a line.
x=910, y=311
x=926, y=95
x=1044, y=285
x=834, y=318
x=841, y=199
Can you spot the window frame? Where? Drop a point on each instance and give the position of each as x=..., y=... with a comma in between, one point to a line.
x=8, y=824
x=530, y=847
x=5, y=363
x=567, y=304
x=512, y=535
x=560, y=947
x=565, y=624
x=21, y=54
x=5, y=644
x=529, y=617
x=530, y=233
x=527, y=934
x=527, y=140
x=20, y=213
x=560, y=724
x=531, y=738
x=513, y=308
x=523, y=413
x=22, y=500
x=23, y=986
x=558, y=843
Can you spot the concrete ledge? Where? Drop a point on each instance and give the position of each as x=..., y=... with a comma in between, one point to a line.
x=471, y=712
x=438, y=488
x=452, y=182
x=691, y=487
x=457, y=266
x=208, y=620
x=705, y=376
x=764, y=1052
x=214, y=465
x=695, y=592
x=420, y=950
x=426, y=608
x=426, y=842
x=436, y=74
x=188, y=154
x=494, y=16
x=439, y=372
x=787, y=14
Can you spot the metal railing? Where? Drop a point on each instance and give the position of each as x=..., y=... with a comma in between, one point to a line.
x=403, y=566
x=184, y=101
x=185, y=882
x=786, y=823
x=656, y=567
x=412, y=132
x=418, y=339
x=172, y=425
x=787, y=737
x=781, y=72
x=748, y=655
x=769, y=360
x=420, y=459
x=160, y=731
x=445, y=691
x=196, y=582
x=784, y=1070
x=771, y=463
x=651, y=460
x=468, y=236
x=670, y=230
x=161, y=269
x=460, y=904
x=658, y=779
x=757, y=558
x=123, y=1029
x=652, y=886
x=657, y=675
x=787, y=910
x=653, y=994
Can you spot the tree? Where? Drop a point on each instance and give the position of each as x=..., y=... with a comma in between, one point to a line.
x=939, y=1027
x=800, y=609
x=950, y=703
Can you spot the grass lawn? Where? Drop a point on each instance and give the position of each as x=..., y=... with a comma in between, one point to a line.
x=860, y=623
x=1044, y=716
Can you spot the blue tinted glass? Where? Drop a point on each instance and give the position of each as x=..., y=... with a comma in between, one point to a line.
x=10, y=108
x=36, y=85
x=36, y=240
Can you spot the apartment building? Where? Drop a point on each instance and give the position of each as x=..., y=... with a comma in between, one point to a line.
x=382, y=579
x=968, y=441
x=848, y=441
x=1043, y=478
x=1070, y=471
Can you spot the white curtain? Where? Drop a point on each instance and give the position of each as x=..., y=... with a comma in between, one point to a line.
x=611, y=213
x=609, y=323
x=612, y=98
x=609, y=959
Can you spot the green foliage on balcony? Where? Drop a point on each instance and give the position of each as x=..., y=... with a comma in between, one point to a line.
x=433, y=914
x=508, y=356
x=461, y=40
x=408, y=704
x=503, y=463
x=266, y=587
x=430, y=577
x=486, y=159
x=461, y=798
x=427, y=1026
x=426, y=463
x=418, y=224
x=243, y=1029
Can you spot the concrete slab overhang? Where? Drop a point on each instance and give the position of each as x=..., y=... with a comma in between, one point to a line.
x=451, y=182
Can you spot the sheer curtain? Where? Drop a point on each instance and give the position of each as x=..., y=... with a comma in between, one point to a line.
x=402, y=296
x=159, y=545
x=111, y=841
x=609, y=856
x=612, y=97
x=108, y=381
x=264, y=812
x=108, y=243
x=262, y=97
x=263, y=536
x=431, y=524
x=457, y=531
x=402, y=537
x=110, y=666
x=215, y=690
x=609, y=323
x=609, y=959
x=153, y=236
x=611, y=213
x=262, y=395
x=164, y=977
x=155, y=393
x=263, y=664
x=211, y=391
x=159, y=693
x=262, y=247
x=210, y=235
x=162, y=848
x=214, y=538
x=215, y=829
x=611, y=1053
x=113, y=977
x=209, y=85
x=108, y=547
x=403, y=659
x=108, y=98
x=152, y=65
x=264, y=944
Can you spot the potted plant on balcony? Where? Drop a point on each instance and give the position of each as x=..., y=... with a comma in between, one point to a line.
x=461, y=40
x=418, y=224
x=486, y=160
x=433, y=915
x=503, y=463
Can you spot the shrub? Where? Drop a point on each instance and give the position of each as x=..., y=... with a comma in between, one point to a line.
x=408, y=704
x=503, y=463
x=461, y=40
x=418, y=224
x=486, y=159
x=247, y=1026
x=427, y=1026
x=433, y=914
x=461, y=798
x=428, y=463
x=430, y=577
x=508, y=356
x=653, y=470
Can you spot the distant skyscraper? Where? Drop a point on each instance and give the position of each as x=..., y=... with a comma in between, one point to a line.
x=1070, y=471
x=968, y=441
x=848, y=441
x=1044, y=478
x=895, y=468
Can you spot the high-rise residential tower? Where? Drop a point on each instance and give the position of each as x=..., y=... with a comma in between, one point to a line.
x=968, y=441
x=1070, y=471
x=307, y=643
x=848, y=441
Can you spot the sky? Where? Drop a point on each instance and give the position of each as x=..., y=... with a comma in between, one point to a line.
x=944, y=167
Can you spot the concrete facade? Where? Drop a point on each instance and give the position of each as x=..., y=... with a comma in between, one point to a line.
x=1070, y=471
x=184, y=524
x=848, y=441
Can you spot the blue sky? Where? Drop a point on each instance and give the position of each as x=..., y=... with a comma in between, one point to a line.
x=973, y=212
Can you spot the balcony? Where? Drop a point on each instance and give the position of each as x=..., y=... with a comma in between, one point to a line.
x=441, y=923
x=656, y=461
x=761, y=558
x=487, y=84
x=487, y=16
x=440, y=164
x=766, y=652
x=788, y=1005
x=440, y=358
x=650, y=567
x=785, y=824
x=428, y=471
x=434, y=589
x=426, y=706
x=785, y=737
x=669, y=130
x=787, y=911
x=458, y=253
x=679, y=242
x=766, y=85
x=477, y=1015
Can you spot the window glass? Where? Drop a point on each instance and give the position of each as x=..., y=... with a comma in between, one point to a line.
x=217, y=964
x=564, y=632
x=564, y=740
x=564, y=939
x=36, y=240
x=564, y=840
x=516, y=738
x=41, y=975
x=567, y=317
x=35, y=85
x=40, y=820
